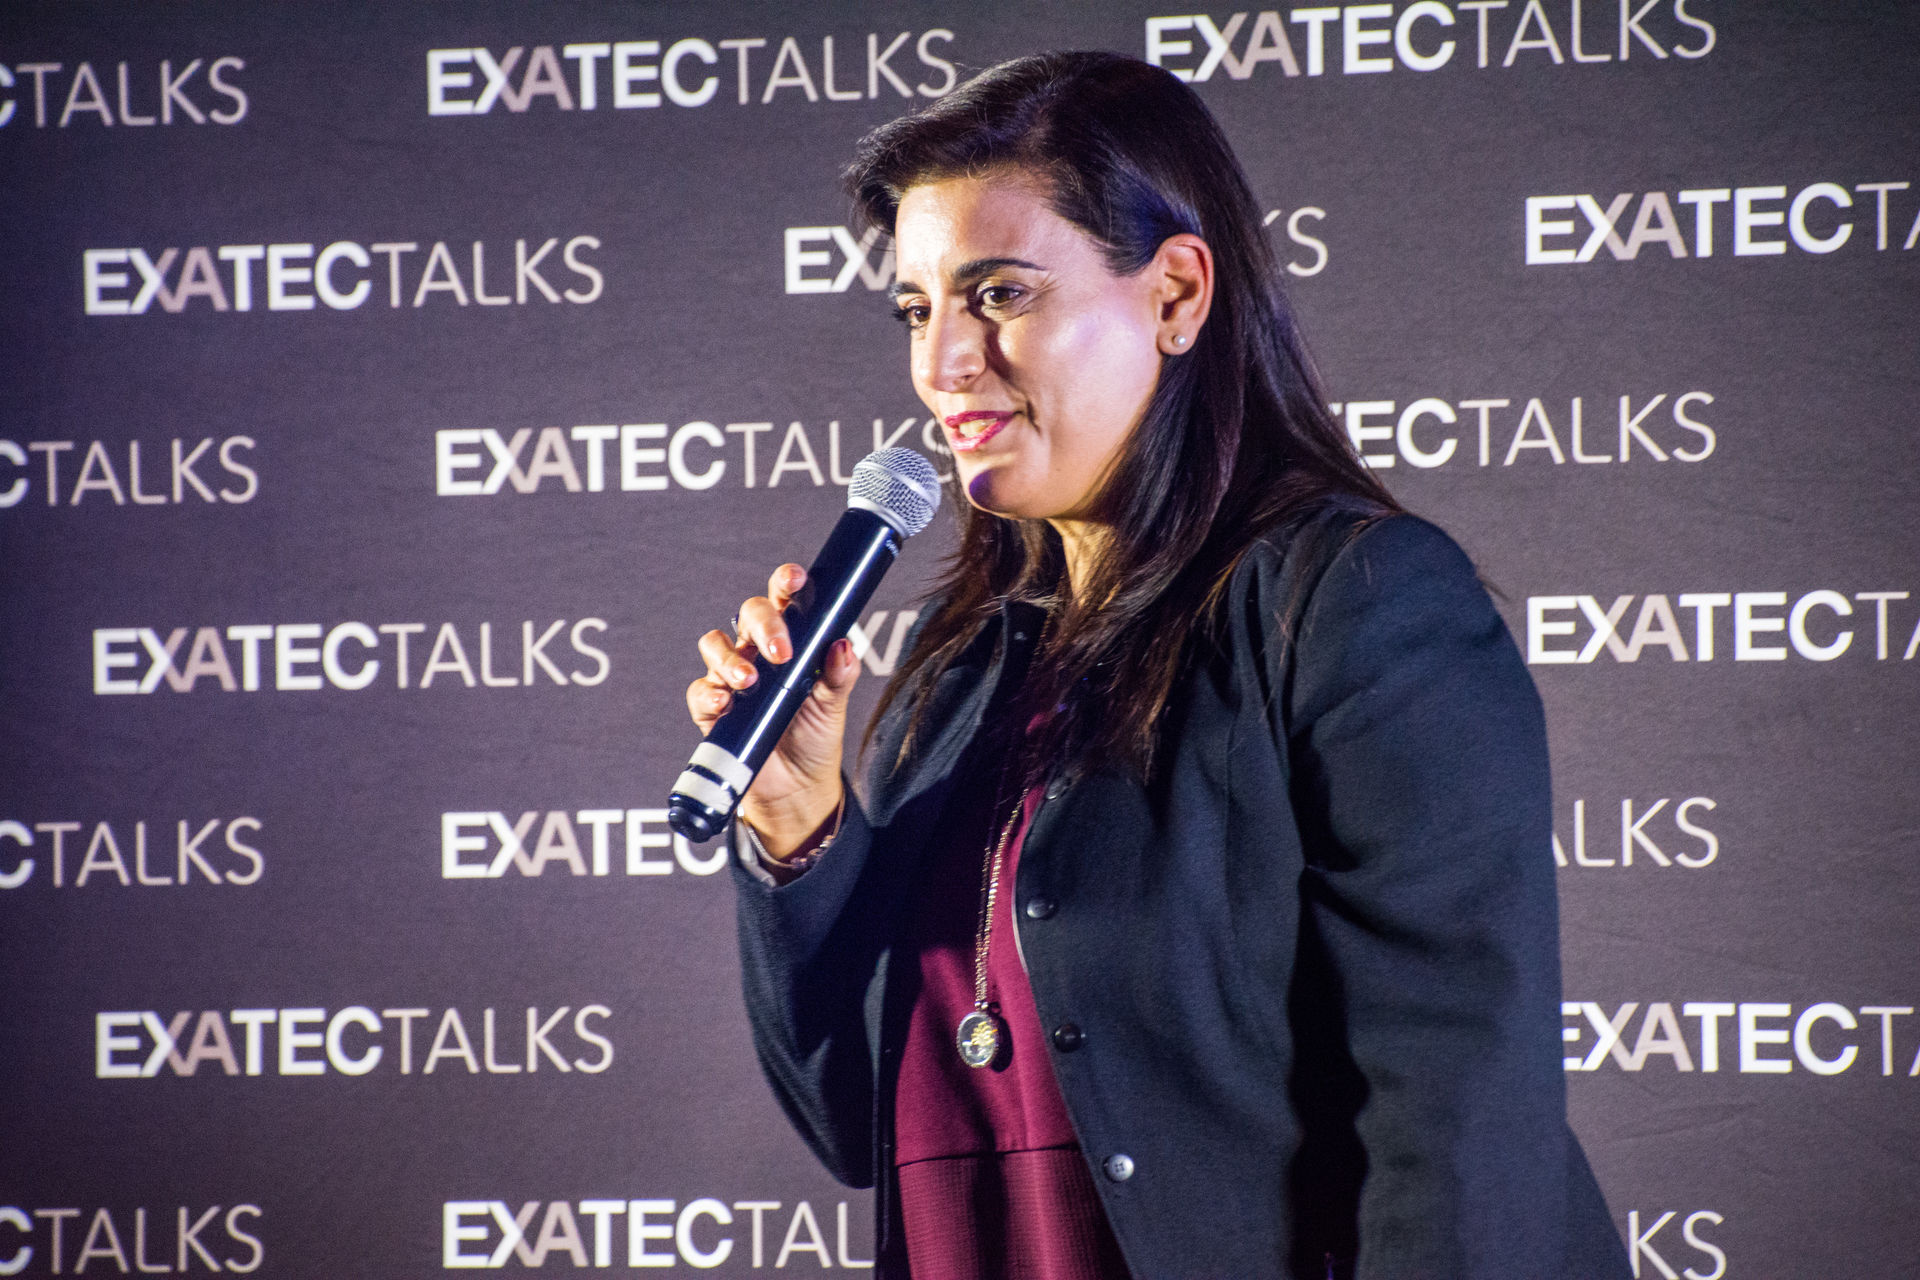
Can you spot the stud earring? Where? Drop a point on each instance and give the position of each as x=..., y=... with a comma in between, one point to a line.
x=1179, y=339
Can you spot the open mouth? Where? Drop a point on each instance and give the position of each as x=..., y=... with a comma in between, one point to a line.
x=970, y=430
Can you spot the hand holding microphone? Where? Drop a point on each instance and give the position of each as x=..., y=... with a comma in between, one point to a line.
x=773, y=701
x=797, y=791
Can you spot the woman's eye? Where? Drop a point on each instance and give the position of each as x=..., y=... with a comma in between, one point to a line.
x=998, y=295
x=911, y=314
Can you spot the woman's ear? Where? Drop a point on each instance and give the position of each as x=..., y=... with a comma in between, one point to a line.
x=1183, y=290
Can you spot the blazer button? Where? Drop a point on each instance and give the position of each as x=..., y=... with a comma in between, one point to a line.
x=1067, y=1037
x=1118, y=1167
x=1041, y=908
x=1055, y=787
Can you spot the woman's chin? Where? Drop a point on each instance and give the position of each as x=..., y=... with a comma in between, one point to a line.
x=993, y=494
x=1000, y=491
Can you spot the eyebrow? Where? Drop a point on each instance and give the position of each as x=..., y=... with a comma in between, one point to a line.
x=967, y=272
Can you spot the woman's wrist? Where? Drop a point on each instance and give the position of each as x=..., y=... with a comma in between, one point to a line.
x=796, y=827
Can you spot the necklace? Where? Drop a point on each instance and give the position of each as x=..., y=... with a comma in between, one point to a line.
x=982, y=1037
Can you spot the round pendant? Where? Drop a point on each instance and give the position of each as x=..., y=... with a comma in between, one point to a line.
x=980, y=1039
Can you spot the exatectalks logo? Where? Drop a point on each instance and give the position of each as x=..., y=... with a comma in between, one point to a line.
x=344, y=275
x=1759, y=221
x=1707, y=626
x=1373, y=39
x=689, y=72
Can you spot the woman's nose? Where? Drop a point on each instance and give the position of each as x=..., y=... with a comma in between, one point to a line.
x=953, y=352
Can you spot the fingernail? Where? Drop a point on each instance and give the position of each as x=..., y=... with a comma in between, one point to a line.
x=742, y=671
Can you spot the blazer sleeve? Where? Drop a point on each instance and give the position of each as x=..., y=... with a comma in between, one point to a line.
x=1420, y=783
x=809, y=957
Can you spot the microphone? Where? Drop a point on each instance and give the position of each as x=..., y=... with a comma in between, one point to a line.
x=892, y=496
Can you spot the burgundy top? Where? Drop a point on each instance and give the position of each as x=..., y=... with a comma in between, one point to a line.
x=992, y=1182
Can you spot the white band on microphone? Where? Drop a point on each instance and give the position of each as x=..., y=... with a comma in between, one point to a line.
x=724, y=765
x=698, y=786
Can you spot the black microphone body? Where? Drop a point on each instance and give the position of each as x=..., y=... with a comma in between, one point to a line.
x=839, y=583
x=892, y=495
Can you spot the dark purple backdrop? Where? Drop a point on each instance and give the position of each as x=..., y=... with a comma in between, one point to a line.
x=542, y=391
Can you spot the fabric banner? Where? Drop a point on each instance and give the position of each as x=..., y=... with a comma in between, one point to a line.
x=393, y=394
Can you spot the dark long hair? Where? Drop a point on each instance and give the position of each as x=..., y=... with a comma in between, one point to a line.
x=1237, y=442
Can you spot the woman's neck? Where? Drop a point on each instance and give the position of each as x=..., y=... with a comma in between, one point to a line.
x=1080, y=542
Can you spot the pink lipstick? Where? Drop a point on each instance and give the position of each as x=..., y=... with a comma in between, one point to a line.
x=968, y=431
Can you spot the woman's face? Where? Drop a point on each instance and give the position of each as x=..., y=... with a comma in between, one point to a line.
x=1037, y=360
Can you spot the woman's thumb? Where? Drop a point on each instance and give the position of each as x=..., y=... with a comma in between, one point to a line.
x=840, y=670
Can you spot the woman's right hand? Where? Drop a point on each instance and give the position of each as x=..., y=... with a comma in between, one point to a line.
x=793, y=801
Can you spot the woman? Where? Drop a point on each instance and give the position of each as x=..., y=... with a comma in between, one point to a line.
x=1199, y=922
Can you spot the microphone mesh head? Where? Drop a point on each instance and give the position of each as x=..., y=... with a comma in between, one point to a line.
x=899, y=486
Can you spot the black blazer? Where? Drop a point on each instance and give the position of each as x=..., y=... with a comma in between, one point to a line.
x=1315, y=967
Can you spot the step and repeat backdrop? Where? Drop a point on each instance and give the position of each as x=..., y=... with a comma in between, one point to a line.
x=392, y=394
